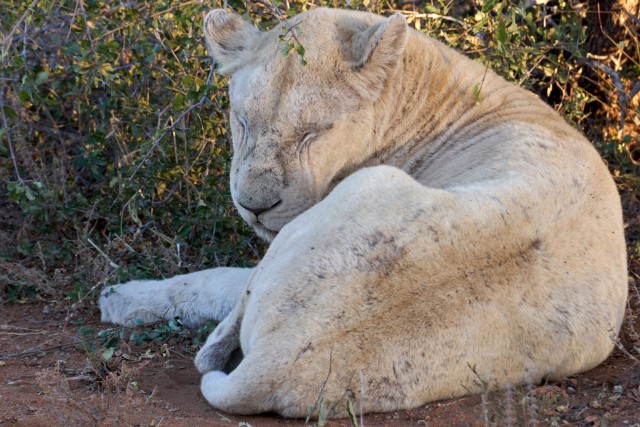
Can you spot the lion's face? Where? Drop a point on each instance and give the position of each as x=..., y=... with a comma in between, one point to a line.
x=297, y=129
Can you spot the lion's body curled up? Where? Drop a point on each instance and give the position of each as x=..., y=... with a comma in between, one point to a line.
x=422, y=236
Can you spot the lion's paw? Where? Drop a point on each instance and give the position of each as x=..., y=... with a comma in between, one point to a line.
x=132, y=302
x=213, y=386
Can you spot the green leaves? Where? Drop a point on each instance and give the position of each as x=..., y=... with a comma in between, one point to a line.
x=116, y=138
x=476, y=93
x=501, y=32
x=291, y=43
x=108, y=353
x=115, y=144
x=41, y=77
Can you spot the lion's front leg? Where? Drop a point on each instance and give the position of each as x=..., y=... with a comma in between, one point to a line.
x=194, y=298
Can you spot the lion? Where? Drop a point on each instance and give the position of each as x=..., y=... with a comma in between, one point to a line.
x=421, y=237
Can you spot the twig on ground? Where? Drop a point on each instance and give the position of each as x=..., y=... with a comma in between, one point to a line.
x=626, y=352
x=101, y=252
x=36, y=350
x=21, y=333
x=20, y=328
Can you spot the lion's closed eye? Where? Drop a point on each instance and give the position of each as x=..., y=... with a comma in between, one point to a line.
x=244, y=129
x=305, y=141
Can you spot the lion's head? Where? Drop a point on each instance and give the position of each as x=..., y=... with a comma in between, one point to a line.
x=299, y=129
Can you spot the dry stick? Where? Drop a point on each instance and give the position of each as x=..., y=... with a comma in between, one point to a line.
x=633, y=284
x=509, y=420
x=634, y=91
x=12, y=327
x=623, y=97
x=361, y=399
x=323, y=385
x=157, y=141
x=36, y=350
x=412, y=14
x=8, y=39
x=101, y=252
x=271, y=7
x=485, y=409
x=12, y=149
x=24, y=41
x=82, y=12
x=626, y=352
x=631, y=16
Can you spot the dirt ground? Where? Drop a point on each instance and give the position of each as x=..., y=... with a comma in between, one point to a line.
x=48, y=377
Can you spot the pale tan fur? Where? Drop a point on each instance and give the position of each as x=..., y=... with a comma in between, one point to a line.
x=418, y=231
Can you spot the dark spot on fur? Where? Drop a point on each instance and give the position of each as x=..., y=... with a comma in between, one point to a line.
x=374, y=239
x=303, y=350
x=387, y=390
x=248, y=292
x=381, y=254
x=418, y=213
x=536, y=244
x=561, y=320
x=230, y=48
x=433, y=231
x=576, y=183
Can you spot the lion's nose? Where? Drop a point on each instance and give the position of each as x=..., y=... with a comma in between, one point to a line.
x=258, y=210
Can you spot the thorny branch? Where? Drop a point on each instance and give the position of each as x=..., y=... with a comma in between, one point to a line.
x=9, y=38
x=156, y=142
x=624, y=97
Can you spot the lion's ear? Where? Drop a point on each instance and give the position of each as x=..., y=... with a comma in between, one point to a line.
x=227, y=36
x=375, y=52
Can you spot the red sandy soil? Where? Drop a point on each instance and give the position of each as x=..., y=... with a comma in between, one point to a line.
x=48, y=379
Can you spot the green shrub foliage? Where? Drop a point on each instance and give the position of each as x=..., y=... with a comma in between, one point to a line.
x=114, y=148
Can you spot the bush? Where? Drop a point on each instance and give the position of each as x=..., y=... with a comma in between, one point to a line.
x=116, y=127
x=114, y=148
